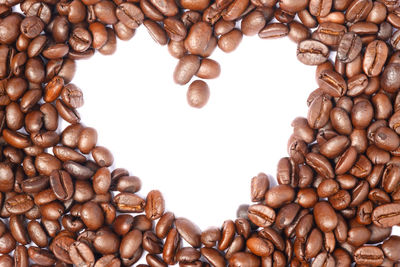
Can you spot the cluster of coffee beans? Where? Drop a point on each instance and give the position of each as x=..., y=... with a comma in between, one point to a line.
x=338, y=196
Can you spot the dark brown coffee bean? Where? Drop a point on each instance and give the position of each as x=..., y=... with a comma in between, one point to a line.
x=325, y=217
x=130, y=184
x=320, y=8
x=389, y=248
x=81, y=254
x=189, y=231
x=154, y=205
x=209, y=69
x=261, y=215
x=41, y=256
x=10, y=28
x=251, y=24
x=369, y=255
x=386, y=215
x=37, y=234
x=62, y=185
x=230, y=41
x=358, y=10
x=19, y=204
x=21, y=258
x=329, y=33
x=332, y=83
x=274, y=30
x=175, y=29
x=18, y=229
x=375, y=57
x=279, y=195
x=349, y=47
x=128, y=202
x=298, y=32
x=92, y=215
x=259, y=186
x=186, y=69
x=244, y=259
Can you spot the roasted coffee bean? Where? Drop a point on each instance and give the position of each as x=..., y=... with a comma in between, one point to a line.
x=41, y=256
x=189, y=231
x=259, y=186
x=375, y=57
x=332, y=83
x=81, y=254
x=129, y=202
x=244, y=259
x=198, y=38
x=369, y=255
x=386, y=215
x=198, y=94
x=319, y=111
x=325, y=217
x=279, y=195
x=230, y=41
x=92, y=215
x=261, y=215
x=349, y=47
x=389, y=248
x=274, y=30
x=187, y=67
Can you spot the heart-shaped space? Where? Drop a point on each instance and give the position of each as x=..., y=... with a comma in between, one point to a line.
x=202, y=160
x=335, y=194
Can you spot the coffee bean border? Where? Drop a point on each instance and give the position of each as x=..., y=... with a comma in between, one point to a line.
x=338, y=192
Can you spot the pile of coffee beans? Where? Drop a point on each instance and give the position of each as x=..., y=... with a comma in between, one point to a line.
x=338, y=192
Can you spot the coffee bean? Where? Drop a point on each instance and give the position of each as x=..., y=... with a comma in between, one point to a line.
x=187, y=67
x=261, y=215
x=259, y=186
x=349, y=47
x=129, y=202
x=325, y=217
x=311, y=52
x=375, y=57
x=81, y=254
x=274, y=30
x=386, y=215
x=198, y=94
x=244, y=259
x=92, y=215
x=369, y=255
x=189, y=231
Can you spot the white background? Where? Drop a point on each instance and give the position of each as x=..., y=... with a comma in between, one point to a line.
x=201, y=160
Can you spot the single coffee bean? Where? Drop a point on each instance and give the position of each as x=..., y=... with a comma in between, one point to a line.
x=230, y=41
x=209, y=69
x=129, y=202
x=261, y=215
x=325, y=216
x=19, y=204
x=386, y=215
x=390, y=246
x=332, y=83
x=349, y=47
x=187, y=67
x=375, y=57
x=92, y=215
x=154, y=205
x=369, y=255
x=81, y=254
x=198, y=94
x=198, y=38
x=244, y=259
x=189, y=231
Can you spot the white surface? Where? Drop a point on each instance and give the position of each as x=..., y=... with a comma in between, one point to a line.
x=202, y=160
